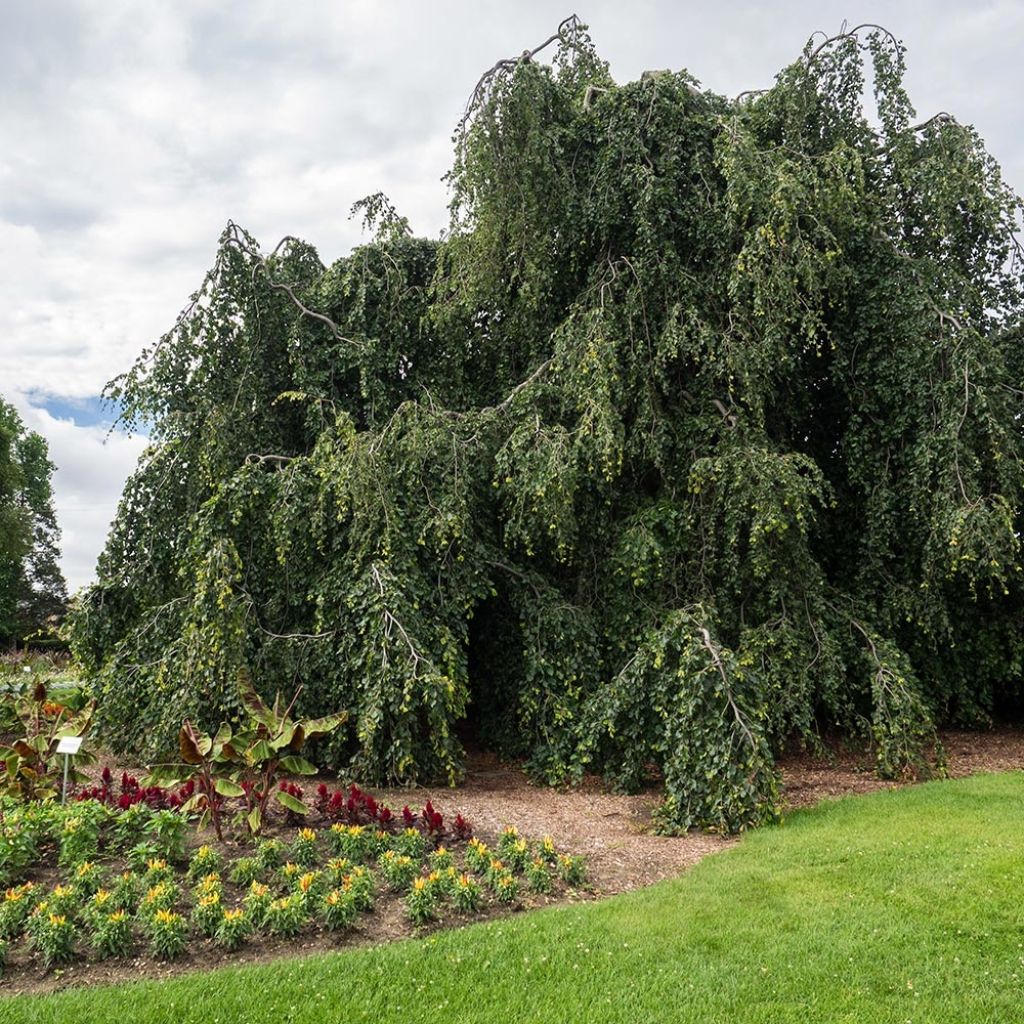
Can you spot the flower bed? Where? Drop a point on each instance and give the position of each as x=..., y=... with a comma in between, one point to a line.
x=105, y=877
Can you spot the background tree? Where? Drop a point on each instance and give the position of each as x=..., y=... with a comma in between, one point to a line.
x=33, y=593
x=698, y=433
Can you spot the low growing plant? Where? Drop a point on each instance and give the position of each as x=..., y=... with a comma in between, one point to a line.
x=304, y=848
x=572, y=869
x=167, y=932
x=441, y=859
x=478, y=856
x=398, y=870
x=506, y=888
x=54, y=936
x=270, y=854
x=207, y=913
x=167, y=830
x=353, y=842
x=88, y=877
x=206, y=860
x=338, y=909
x=245, y=871
x=538, y=875
x=112, y=934
x=257, y=902
x=421, y=901
x=361, y=884
x=285, y=916
x=234, y=928
x=410, y=843
x=466, y=896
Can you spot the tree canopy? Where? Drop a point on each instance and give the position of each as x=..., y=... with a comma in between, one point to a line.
x=698, y=432
x=32, y=589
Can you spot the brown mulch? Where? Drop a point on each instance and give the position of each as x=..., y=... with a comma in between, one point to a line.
x=613, y=831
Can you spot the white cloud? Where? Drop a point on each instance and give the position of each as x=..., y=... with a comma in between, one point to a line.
x=136, y=131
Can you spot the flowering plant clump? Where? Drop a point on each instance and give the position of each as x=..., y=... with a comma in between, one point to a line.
x=208, y=884
x=380, y=842
x=112, y=934
x=286, y=916
x=462, y=829
x=517, y=855
x=167, y=933
x=398, y=870
x=161, y=896
x=360, y=883
x=100, y=904
x=63, y=899
x=157, y=870
x=206, y=860
x=269, y=854
x=289, y=872
x=309, y=885
x=14, y=910
x=207, y=913
x=466, y=895
x=234, y=928
x=88, y=877
x=421, y=901
x=335, y=870
x=478, y=856
x=548, y=851
x=245, y=871
x=257, y=901
x=126, y=891
x=441, y=859
x=410, y=843
x=353, y=842
x=572, y=869
x=54, y=936
x=506, y=888
x=432, y=822
x=304, y=850
x=508, y=838
x=338, y=909
x=538, y=875
x=495, y=869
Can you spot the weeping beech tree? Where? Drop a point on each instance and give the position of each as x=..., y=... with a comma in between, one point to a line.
x=698, y=433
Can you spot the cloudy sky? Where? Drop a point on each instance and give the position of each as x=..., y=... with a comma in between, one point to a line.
x=130, y=131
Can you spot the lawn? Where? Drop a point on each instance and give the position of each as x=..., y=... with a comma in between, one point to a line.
x=901, y=906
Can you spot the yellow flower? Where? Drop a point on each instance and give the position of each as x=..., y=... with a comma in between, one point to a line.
x=209, y=899
x=307, y=834
x=57, y=920
x=233, y=915
x=165, y=916
x=419, y=884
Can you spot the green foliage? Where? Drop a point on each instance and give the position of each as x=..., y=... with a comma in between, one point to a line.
x=285, y=917
x=168, y=933
x=338, y=909
x=112, y=934
x=54, y=934
x=245, y=762
x=235, y=927
x=697, y=433
x=30, y=767
x=33, y=594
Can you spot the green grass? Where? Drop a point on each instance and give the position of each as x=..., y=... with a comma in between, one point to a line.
x=902, y=906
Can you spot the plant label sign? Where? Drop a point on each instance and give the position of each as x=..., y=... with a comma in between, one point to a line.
x=69, y=744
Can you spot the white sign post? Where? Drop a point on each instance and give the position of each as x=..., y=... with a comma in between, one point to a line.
x=68, y=746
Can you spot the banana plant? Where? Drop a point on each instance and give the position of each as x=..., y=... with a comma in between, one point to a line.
x=207, y=762
x=269, y=747
x=245, y=763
